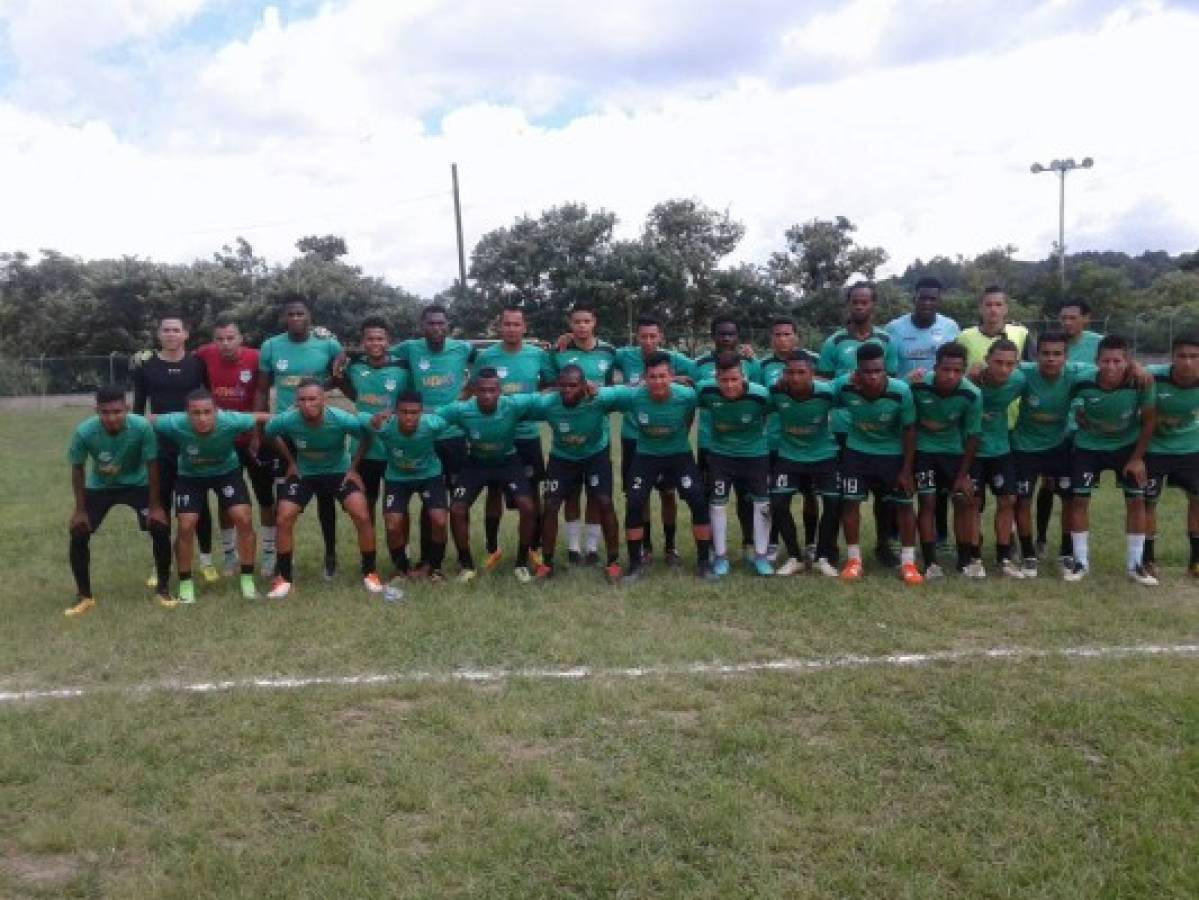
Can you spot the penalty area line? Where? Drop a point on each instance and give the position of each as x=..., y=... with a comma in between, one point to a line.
x=797, y=665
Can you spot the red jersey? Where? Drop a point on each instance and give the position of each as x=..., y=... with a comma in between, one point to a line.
x=232, y=383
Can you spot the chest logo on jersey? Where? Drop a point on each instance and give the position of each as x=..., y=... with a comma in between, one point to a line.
x=301, y=443
x=281, y=365
x=475, y=435
x=746, y=419
x=502, y=371
x=423, y=365
x=643, y=418
x=390, y=384
x=635, y=380
x=244, y=376
x=193, y=450
x=104, y=456
x=564, y=427
x=602, y=366
x=227, y=490
x=1034, y=400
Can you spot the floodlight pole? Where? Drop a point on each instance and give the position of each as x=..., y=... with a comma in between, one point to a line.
x=458, y=224
x=1060, y=167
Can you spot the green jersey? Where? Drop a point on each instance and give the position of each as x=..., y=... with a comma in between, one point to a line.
x=944, y=422
x=804, y=434
x=597, y=364
x=704, y=369
x=875, y=426
x=839, y=353
x=320, y=449
x=376, y=388
x=1176, y=430
x=524, y=372
x=288, y=362
x=770, y=371
x=1044, y=418
x=205, y=455
x=631, y=364
x=438, y=375
x=118, y=460
x=1110, y=419
x=490, y=436
x=410, y=457
x=996, y=435
x=578, y=431
x=1084, y=348
x=663, y=427
x=738, y=426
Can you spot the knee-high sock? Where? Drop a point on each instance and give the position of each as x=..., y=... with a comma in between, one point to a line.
x=720, y=526
x=745, y=518
x=785, y=521
x=160, y=543
x=326, y=512
x=204, y=529
x=761, y=527
x=80, y=555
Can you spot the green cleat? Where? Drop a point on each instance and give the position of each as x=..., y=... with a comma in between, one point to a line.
x=187, y=591
x=248, y=590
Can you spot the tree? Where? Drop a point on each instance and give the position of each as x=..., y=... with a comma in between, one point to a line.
x=326, y=248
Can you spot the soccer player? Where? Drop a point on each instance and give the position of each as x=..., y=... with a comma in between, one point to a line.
x=208, y=461
x=597, y=359
x=490, y=420
x=1116, y=419
x=1082, y=344
x=663, y=411
x=233, y=377
x=630, y=362
x=161, y=382
x=372, y=382
x=806, y=462
x=1174, y=448
x=124, y=471
x=738, y=457
x=439, y=367
x=577, y=414
x=409, y=440
x=948, y=427
x=321, y=466
x=784, y=339
x=523, y=368
x=919, y=334
x=880, y=450
x=284, y=361
x=993, y=325
x=1000, y=382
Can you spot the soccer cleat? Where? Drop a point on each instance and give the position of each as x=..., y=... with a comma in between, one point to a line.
x=852, y=570
x=522, y=574
x=825, y=568
x=493, y=560
x=209, y=573
x=933, y=570
x=1143, y=577
x=762, y=566
x=330, y=568
x=706, y=572
x=574, y=558
x=543, y=571
x=1076, y=572
x=152, y=581
x=1151, y=568
x=791, y=567
x=248, y=589
x=166, y=601
x=673, y=560
x=394, y=591
x=1028, y=567
x=910, y=574
x=772, y=552
x=280, y=589
x=720, y=566
x=230, y=566
x=82, y=605
x=1009, y=569
x=535, y=558
x=591, y=559
x=1065, y=563
x=373, y=583
x=613, y=573
x=466, y=576
x=436, y=576
x=187, y=591
x=974, y=569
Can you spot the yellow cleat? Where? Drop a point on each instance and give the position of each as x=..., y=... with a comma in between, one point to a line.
x=82, y=605
x=152, y=581
x=535, y=560
x=209, y=573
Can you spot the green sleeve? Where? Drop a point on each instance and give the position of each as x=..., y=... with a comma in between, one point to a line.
x=619, y=397
x=240, y=421
x=826, y=365
x=974, y=417
x=149, y=443
x=274, y=426
x=350, y=423
x=683, y=365
x=450, y=413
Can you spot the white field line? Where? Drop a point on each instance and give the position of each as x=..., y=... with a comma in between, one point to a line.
x=581, y=673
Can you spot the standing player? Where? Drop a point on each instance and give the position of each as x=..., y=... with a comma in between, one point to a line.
x=784, y=339
x=208, y=461
x=993, y=325
x=522, y=368
x=880, y=450
x=806, y=461
x=124, y=472
x=490, y=420
x=233, y=377
x=949, y=413
x=577, y=415
x=1174, y=448
x=922, y=332
x=284, y=361
x=738, y=457
x=1082, y=344
x=1115, y=420
x=161, y=382
x=320, y=467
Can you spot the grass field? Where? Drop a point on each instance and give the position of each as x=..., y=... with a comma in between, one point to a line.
x=1042, y=776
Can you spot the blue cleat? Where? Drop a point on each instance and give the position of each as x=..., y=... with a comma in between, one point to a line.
x=720, y=566
x=762, y=566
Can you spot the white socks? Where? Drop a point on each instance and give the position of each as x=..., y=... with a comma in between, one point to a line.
x=1136, y=550
x=1082, y=553
x=228, y=541
x=719, y=516
x=761, y=528
x=267, y=535
x=594, y=533
x=854, y=551
x=574, y=531
x=907, y=555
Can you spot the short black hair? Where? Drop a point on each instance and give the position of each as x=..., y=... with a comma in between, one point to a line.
x=1003, y=344
x=513, y=306
x=648, y=322
x=1052, y=336
x=780, y=321
x=952, y=350
x=308, y=382
x=294, y=300
x=869, y=350
x=1112, y=342
x=226, y=322
x=861, y=286
x=929, y=282
x=486, y=372
x=724, y=319
x=433, y=309
x=1083, y=306
x=993, y=289
x=583, y=306
x=109, y=393
x=798, y=355
x=572, y=369
x=657, y=358
x=726, y=361
x=200, y=393
x=1184, y=340
x=410, y=397
x=374, y=322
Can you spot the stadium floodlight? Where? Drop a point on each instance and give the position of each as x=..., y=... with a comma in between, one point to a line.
x=1061, y=167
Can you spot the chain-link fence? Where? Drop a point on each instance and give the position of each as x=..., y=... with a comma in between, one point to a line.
x=47, y=376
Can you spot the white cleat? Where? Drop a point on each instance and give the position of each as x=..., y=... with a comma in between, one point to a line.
x=280, y=589
x=791, y=567
x=933, y=571
x=975, y=569
x=1009, y=569
x=1028, y=567
x=1143, y=577
x=826, y=568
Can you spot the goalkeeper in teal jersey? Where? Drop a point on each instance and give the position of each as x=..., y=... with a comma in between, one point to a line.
x=738, y=457
x=1116, y=418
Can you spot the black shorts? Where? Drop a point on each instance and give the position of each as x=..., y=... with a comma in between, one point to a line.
x=862, y=473
x=1033, y=465
x=628, y=453
x=748, y=475
x=788, y=476
x=507, y=476
x=261, y=472
x=1180, y=470
x=935, y=473
x=452, y=453
x=998, y=473
x=397, y=494
x=1087, y=465
x=528, y=450
x=191, y=493
x=564, y=477
x=98, y=501
x=675, y=470
x=302, y=489
x=372, y=471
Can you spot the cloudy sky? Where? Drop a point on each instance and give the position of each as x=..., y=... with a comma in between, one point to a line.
x=165, y=128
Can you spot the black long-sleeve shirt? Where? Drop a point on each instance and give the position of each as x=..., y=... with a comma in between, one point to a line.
x=164, y=386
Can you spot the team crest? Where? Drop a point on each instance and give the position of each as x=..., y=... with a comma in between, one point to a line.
x=564, y=427
x=746, y=419
x=685, y=482
x=603, y=366
x=423, y=365
x=227, y=490
x=475, y=436
x=390, y=384
x=502, y=372
x=281, y=365
x=593, y=480
x=301, y=443
x=1034, y=400
x=105, y=456
x=643, y=418
x=245, y=375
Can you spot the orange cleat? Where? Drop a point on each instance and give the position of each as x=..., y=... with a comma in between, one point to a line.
x=910, y=574
x=852, y=570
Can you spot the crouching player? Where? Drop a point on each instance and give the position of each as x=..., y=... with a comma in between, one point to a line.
x=577, y=414
x=321, y=468
x=409, y=441
x=208, y=461
x=880, y=450
x=123, y=472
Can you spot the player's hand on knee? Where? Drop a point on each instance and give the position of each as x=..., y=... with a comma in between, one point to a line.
x=79, y=524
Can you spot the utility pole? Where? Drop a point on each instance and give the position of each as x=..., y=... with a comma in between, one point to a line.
x=458, y=223
x=1061, y=167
